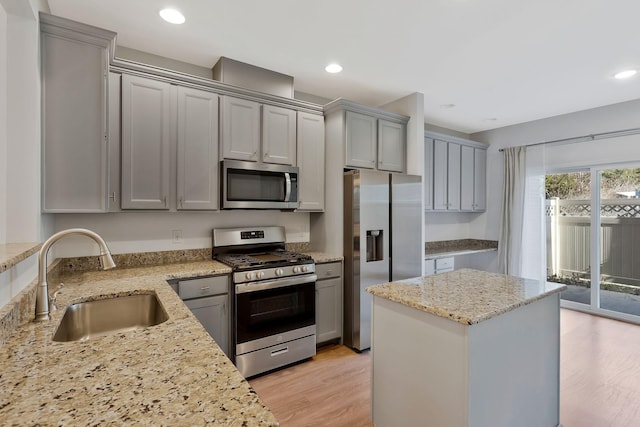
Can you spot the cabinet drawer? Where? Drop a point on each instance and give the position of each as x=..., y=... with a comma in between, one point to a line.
x=328, y=270
x=444, y=263
x=196, y=288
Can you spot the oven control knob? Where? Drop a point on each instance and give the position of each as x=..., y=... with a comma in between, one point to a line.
x=249, y=275
x=304, y=268
x=296, y=269
x=260, y=274
x=279, y=272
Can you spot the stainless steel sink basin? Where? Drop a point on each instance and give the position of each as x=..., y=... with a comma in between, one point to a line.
x=86, y=320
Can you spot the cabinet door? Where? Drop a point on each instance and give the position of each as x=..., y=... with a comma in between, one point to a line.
x=361, y=140
x=311, y=162
x=427, y=179
x=146, y=142
x=74, y=125
x=240, y=132
x=453, y=176
x=197, y=152
x=480, y=179
x=114, y=142
x=466, y=178
x=328, y=309
x=278, y=135
x=212, y=312
x=440, y=175
x=391, y=146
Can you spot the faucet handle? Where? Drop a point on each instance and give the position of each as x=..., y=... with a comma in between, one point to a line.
x=52, y=298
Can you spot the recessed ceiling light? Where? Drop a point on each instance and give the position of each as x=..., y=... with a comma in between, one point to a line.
x=172, y=16
x=445, y=106
x=490, y=119
x=333, y=68
x=625, y=74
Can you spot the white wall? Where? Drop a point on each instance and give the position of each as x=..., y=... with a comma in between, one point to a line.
x=129, y=232
x=598, y=120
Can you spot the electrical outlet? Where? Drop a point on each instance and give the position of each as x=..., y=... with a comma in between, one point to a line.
x=176, y=236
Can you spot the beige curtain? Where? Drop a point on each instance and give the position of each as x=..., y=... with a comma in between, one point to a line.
x=511, y=222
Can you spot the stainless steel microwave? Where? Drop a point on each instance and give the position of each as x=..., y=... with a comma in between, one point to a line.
x=251, y=185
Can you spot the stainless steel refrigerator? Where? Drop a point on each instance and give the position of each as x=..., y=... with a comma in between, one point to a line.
x=382, y=242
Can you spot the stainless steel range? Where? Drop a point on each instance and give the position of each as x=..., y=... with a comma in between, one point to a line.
x=274, y=295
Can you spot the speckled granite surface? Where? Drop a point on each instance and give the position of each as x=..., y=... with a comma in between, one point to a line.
x=321, y=257
x=445, y=248
x=466, y=296
x=169, y=374
x=13, y=253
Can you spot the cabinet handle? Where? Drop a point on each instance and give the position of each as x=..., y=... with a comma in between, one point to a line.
x=164, y=199
x=205, y=288
x=180, y=201
x=112, y=196
x=224, y=308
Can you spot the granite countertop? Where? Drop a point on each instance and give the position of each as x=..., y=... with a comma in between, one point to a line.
x=169, y=374
x=321, y=257
x=447, y=248
x=466, y=296
x=13, y=253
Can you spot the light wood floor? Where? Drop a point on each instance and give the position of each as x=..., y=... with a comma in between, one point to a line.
x=599, y=380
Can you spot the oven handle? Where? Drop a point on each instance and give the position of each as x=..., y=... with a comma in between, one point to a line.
x=243, y=288
x=287, y=178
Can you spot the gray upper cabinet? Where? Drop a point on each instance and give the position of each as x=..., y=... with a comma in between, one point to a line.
x=392, y=143
x=115, y=155
x=361, y=140
x=146, y=139
x=459, y=169
x=74, y=61
x=373, y=138
x=453, y=176
x=428, y=173
x=240, y=129
x=311, y=161
x=197, y=150
x=278, y=135
x=440, y=198
x=480, y=179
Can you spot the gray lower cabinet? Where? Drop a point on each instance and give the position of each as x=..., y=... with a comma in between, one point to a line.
x=329, y=302
x=197, y=150
x=146, y=139
x=208, y=300
x=74, y=61
x=311, y=161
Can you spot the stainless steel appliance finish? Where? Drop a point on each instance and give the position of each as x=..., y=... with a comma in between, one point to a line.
x=90, y=319
x=251, y=185
x=382, y=223
x=274, y=298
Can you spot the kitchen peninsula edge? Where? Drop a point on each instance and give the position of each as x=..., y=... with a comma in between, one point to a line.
x=478, y=349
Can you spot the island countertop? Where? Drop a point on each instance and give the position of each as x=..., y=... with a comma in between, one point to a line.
x=169, y=374
x=466, y=296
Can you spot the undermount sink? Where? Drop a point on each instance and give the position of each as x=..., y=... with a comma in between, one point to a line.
x=90, y=319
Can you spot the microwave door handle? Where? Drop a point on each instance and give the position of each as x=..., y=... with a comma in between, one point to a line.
x=287, y=194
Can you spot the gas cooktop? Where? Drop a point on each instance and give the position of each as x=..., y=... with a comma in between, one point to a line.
x=276, y=258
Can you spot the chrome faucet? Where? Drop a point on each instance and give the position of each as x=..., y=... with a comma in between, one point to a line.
x=42, y=290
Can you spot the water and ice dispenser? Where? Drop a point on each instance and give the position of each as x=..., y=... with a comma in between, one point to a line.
x=375, y=245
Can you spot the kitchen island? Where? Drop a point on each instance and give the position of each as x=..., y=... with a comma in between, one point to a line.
x=169, y=374
x=466, y=349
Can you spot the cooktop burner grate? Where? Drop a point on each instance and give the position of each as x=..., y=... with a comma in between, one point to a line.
x=266, y=259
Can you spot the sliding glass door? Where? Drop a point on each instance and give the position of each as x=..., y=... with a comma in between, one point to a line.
x=601, y=268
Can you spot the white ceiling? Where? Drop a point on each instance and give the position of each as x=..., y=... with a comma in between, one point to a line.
x=508, y=60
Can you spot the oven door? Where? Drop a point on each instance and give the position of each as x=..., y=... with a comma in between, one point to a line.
x=250, y=185
x=274, y=307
